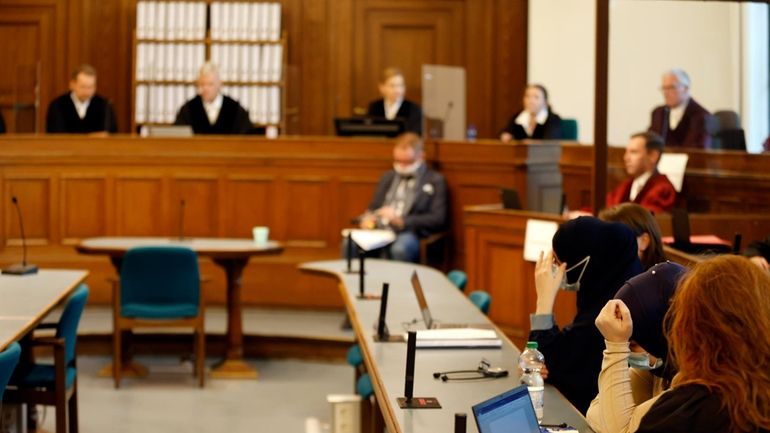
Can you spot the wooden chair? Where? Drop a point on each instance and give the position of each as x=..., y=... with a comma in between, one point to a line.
x=159, y=287
x=429, y=244
x=54, y=385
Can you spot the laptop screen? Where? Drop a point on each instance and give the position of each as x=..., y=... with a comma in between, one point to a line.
x=510, y=412
x=421, y=300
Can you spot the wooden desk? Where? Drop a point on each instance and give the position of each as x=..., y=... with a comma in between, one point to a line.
x=27, y=299
x=231, y=255
x=385, y=362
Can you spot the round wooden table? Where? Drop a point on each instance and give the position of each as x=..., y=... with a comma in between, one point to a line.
x=231, y=255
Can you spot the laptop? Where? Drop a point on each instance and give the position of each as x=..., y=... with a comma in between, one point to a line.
x=426, y=315
x=510, y=199
x=680, y=225
x=368, y=126
x=511, y=412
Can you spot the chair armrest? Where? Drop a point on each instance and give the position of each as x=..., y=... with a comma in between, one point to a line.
x=425, y=243
x=47, y=326
x=46, y=341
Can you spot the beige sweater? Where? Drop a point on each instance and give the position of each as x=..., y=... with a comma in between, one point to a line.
x=625, y=394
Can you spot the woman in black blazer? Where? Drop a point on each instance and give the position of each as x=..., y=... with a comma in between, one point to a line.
x=536, y=121
x=393, y=105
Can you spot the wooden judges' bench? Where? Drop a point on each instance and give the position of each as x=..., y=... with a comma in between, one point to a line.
x=306, y=189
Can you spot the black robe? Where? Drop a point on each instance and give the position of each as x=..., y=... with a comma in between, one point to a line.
x=233, y=119
x=2, y=124
x=63, y=117
x=409, y=112
x=550, y=130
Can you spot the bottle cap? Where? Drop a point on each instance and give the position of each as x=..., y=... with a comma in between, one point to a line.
x=531, y=344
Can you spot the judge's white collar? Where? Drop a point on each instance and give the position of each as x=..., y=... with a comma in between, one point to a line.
x=213, y=108
x=80, y=106
x=523, y=117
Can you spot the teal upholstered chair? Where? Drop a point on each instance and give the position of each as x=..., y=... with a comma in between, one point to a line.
x=8, y=360
x=54, y=384
x=364, y=386
x=481, y=299
x=569, y=129
x=458, y=278
x=159, y=286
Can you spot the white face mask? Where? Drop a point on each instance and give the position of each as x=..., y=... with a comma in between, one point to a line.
x=409, y=170
x=641, y=361
x=564, y=285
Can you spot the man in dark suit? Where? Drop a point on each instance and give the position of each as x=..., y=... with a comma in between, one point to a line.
x=211, y=112
x=393, y=105
x=645, y=186
x=681, y=121
x=411, y=200
x=81, y=110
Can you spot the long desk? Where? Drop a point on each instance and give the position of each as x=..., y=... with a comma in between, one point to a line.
x=306, y=189
x=26, y=300
x=385, y=362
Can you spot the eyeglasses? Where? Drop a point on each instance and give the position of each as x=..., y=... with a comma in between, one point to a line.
x=670, y=87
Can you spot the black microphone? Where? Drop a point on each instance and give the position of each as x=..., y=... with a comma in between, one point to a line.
x=361, y=256
x=460, y=422
x=107, y=116
x=449, y=107
x=181, y=219
x=411, y=347
x=350, y=251
x=382, y=328
x=737, y=243
x=23, y=268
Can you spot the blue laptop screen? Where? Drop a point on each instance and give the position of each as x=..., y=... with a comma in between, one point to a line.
x=510, y=412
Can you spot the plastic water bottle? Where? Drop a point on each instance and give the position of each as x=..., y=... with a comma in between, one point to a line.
x=472, y=133
x=531, y=362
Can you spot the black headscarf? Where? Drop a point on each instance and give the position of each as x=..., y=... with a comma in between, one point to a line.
x=648, y=297
x=614, y=260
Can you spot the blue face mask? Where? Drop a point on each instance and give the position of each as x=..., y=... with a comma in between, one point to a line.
x=564, y=285
x=641, y=361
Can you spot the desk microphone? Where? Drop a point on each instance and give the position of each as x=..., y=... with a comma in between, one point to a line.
x=181, y=219
x=350, y=252
x=23, y=268
x=361, y=273
x=737, y=243
x=408, y=401
x=460, y=422
x=382, y=328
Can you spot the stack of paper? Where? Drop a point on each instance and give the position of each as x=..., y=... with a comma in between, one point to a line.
x=458, y=338
x=369, y=240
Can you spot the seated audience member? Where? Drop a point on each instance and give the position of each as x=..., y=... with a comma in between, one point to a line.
x=537, y=121
x=81, y=110
x=211, y=112
x=632, y=327
x=759, y=253
x=393, y=105
x=680, y=121
x=645, y=227
x=2, y=124
x=595, y=258
x=411, y=200
x=717, y=328
x=644, y=185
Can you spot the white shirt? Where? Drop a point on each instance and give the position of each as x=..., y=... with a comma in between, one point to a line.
x=391, y=110
x=523, y=119
x=80, y=107
x=638, y=184
x=675, y=114
x=213, y=108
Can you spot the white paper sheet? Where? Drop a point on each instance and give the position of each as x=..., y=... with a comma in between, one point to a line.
x=537, y=238
x=369, y=240
x=673, y=165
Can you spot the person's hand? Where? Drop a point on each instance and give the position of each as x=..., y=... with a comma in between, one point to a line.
x=614, y=322
x=506, y=137
x=368, y=221
x=397, y=223
x=546, y=283
x=761, y=262
x=386, y=213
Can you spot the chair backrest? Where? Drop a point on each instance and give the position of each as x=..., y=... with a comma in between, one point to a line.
x=728, y=119
x=481, y=299
x=8, y=360
x=458, y=278
x=67, y=328
x=569, y=129
x=160, y=276
x=734, y=139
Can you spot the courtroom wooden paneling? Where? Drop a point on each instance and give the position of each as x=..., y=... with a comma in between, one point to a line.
x=327, y=76
x=82, y=218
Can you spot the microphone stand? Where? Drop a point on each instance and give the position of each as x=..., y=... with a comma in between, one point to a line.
x=24, y=268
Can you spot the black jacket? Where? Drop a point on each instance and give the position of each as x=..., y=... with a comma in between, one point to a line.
x=428, y=212
x=550, y=130
x=687, y=409
x=63, y=117
x=233, y=119
x=410, y=112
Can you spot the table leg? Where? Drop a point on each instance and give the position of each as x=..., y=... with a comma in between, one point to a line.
x=233, y=366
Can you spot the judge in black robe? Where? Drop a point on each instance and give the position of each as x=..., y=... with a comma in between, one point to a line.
x=228, y=115
x=392, y=87
x=409, y=112
x=97, y=114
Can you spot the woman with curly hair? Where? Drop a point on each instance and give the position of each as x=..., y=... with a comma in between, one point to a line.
x=718, y=330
